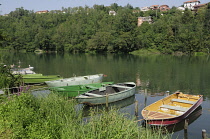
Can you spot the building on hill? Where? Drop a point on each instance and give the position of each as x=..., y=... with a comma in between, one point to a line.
x=164, y=8
x=154, y=7
x=41, y=12
x=190, y=4
x=196, y=7
x=144, y=19
x=144, y=9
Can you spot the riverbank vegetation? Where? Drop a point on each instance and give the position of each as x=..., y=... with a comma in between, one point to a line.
x=8, y=80
x=92, y=29
x=25, y=116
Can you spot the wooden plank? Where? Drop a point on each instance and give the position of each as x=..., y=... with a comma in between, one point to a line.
x=91, y=94
x=174, y=108
x=183, y=101
x=120, y=86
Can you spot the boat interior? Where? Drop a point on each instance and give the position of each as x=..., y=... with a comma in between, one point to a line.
x=171, y=106
x=115, y=88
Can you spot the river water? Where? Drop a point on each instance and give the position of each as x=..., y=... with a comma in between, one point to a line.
x=157, y=73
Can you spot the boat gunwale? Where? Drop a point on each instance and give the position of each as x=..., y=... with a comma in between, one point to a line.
x=66, y=79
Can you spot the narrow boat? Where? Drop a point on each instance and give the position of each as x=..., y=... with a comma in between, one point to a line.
x=22, y=71
x=171, y=109
x=88, y=79
x=108, y=94
x=38, y=78
x=75, y=90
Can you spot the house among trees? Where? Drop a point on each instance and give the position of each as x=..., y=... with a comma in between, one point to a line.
x=112, y=13
x=144, y=19
x=164, y=8
x=154, y=7
x=196, y=7
x=41, y=12
x=190, y=4
x=144, y=9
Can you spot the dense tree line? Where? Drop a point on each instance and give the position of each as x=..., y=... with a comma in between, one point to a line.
x=85, y=29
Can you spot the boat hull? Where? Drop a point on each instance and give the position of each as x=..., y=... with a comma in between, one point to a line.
x=39, y=78
x=75, y=90
x=80, y=80
x=103, y=99
x=164, y=118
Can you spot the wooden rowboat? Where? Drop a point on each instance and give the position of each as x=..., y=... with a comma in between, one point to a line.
x=171, y=109
x=110, y=93
x=75, y=90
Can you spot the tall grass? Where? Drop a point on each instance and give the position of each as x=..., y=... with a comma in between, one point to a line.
x=54, y=117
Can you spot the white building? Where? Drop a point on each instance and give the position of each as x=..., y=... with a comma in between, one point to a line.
x=190, y=4
x=145, y=9
x=112, y=13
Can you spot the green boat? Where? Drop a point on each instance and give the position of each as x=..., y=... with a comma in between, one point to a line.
x=39, y=78
x=75, y=90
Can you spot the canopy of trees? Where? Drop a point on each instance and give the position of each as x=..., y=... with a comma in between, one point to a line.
x=85, y=29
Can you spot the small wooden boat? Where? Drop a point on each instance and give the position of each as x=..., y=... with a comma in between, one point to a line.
x=88, y=79
x=22, y=71
x=38, y=78
x=75, y=90
x=110, y=93
x=171, y=109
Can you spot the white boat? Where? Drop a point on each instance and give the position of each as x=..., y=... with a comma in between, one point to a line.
x=22, y=71
x=79, y=80
x=108, y=94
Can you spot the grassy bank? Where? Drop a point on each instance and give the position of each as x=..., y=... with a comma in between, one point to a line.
x=55, y=117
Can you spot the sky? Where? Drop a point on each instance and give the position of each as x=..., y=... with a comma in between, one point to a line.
x=6, y=6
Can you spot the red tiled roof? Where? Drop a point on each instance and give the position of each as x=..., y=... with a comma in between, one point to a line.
x=200, y=5
x=164, y=5
x=192, y=1
x=154, y=6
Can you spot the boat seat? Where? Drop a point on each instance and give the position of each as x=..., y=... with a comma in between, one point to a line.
x=91, y=94
x=183, y=101
x=174, y=108
x=120, y=86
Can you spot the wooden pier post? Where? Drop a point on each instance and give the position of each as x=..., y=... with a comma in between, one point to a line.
x=185, y=134
x=203, y=134
x=186, y=123
x=136, y=108
x=145, y=98
x=107, y=102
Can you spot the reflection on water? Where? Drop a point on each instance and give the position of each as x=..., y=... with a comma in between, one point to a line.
x=119, y=104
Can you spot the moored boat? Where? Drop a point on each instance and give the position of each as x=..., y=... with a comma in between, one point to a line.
x=22, y=71
x=108, y=94
x=39, y=78
x=75, y=90
x=88, y=79
x=171, y=109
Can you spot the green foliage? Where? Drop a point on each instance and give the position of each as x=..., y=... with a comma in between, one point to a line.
x=50, y=117
x=93, y=30
x=145, y=52
x=7, y=79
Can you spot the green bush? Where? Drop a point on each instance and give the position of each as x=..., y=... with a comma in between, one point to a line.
x=55, y=117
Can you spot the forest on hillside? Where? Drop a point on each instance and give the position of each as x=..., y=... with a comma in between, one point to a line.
x=85, y=29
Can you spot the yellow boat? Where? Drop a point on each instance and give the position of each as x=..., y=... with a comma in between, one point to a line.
x=171, y=109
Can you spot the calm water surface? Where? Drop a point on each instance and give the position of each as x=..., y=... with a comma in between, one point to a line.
x=157, y=74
